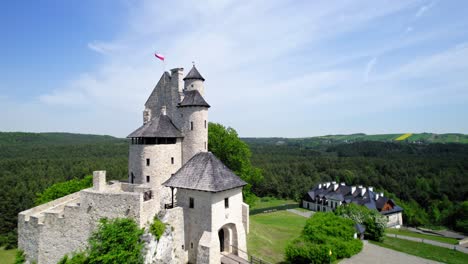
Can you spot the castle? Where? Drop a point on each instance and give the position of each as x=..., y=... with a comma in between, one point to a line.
x=171, y=174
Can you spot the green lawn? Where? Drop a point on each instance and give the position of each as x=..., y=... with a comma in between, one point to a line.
x=266, y=202
x=404, y=232
x=424, y=250
x=270, y=232
x=7, y=256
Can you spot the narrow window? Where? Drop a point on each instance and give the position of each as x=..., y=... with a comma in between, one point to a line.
x=191, y=203
x=191, y=125
x=205, y=123
x=147, y=178
x=132, y=178
x=226, y=202
x=191, y=244
x=147, y=162
x=172, y=160
x=205, y=145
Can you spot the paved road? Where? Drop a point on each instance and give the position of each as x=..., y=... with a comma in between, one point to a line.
x=301, y=213
x=372, y=254
x=431, y=242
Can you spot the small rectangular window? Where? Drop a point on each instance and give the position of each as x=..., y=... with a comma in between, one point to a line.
x=205, y=145
x=226, y=202
x=191, y=125
x=191, y=203
x=147, y=178
x=205, y=123
x=147, y=162
x=172, y=160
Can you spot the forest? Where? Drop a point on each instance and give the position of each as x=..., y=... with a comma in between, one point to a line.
x=430, y=181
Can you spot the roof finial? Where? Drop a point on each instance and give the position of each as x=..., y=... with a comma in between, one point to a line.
x=193, y=63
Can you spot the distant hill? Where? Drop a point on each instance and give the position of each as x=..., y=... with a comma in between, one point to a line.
x=420, y=138
x=21, y=138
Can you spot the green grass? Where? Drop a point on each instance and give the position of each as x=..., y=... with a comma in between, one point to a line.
x=404, y=232
x=270, y=233
x=424, y=250
x=266, y=202
x=7, y=256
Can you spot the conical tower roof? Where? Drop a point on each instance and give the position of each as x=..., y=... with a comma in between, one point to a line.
x=205, y=172
x=194, y=74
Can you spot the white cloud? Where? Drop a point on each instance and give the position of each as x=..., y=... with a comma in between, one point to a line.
x=423, y=9
x=369, y=68
x=256, y=57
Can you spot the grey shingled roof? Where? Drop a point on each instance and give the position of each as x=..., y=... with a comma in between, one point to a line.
x=204, y=172
x=194, y=74
x=160, y=126
x=193, y=98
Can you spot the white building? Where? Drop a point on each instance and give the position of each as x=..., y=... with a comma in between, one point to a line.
x=171, y=173
x=326, y=197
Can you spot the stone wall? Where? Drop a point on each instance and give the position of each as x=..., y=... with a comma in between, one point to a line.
x=47, y=232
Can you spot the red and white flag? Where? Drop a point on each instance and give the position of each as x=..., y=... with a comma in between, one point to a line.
x=159, y=56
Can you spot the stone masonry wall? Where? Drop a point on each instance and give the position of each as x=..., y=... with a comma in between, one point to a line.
x=195, y=140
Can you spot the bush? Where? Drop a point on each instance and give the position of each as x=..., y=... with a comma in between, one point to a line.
x=116, y=241
x=20, y=257
x=77, y=258
x=157, y=228
x=301, y=251
x=322, y=234
x=374, y=222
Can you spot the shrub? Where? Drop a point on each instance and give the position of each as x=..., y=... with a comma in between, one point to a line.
x=322, y=234
x=116, y=241
x=157, y=228
x=77, y=258
x=301, y=251
x=20, y=257
x=374, y=222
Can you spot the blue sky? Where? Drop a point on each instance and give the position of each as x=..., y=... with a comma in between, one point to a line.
x=272, y=68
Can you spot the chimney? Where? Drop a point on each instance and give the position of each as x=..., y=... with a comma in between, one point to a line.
x=363, y=191
x=381, y=194
x=370, y=189
x=360, y=186
x=320, y=186
x=377, y=196
x=335, y=186
x=163, y=110
x=177, y=76
x=333, y=182
x=99, y=180
x=353, y=189
x=146, y=116
x=343, y=184
x=327, y=185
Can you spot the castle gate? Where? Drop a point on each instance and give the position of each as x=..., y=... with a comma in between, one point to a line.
x=228, y=239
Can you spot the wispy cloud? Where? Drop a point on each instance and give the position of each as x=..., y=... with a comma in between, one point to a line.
x=423, y=9
x=308, y=63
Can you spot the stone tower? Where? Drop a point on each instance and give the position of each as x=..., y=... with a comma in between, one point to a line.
x=194, y=116
x=175, y=128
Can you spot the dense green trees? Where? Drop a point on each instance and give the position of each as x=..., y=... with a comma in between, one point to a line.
x=325, y=237
x=428, y=181
x=61, y=189
x=235, y=154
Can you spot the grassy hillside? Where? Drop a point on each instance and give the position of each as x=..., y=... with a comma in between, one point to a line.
x=420, y=138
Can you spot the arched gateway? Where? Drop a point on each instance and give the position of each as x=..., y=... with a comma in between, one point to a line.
x=228, y=239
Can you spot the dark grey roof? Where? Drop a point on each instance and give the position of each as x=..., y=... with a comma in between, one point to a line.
x=194, y=74
x=204, y=172
x=193, y=98
x=160, y=126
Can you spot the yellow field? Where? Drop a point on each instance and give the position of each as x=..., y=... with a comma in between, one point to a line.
x=404, y=136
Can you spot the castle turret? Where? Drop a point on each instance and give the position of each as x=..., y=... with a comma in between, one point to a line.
x=194, y=81
x=193, y=110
